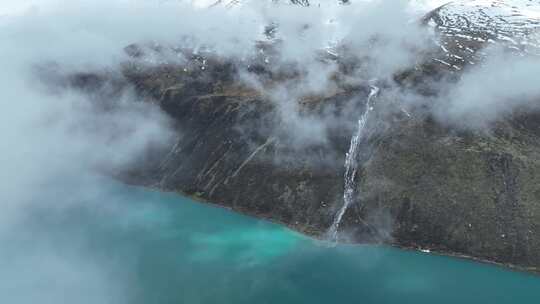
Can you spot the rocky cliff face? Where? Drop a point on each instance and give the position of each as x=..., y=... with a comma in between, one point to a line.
x=469, y=192
x=421, y=183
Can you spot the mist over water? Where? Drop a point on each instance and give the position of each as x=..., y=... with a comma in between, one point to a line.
x=138, y=246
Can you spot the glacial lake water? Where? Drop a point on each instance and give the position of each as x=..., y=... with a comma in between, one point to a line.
x=165, y=248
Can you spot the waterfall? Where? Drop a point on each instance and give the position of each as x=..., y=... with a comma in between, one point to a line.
x=351, y=165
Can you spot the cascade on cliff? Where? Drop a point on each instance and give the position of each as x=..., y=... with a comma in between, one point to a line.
x=351, y=165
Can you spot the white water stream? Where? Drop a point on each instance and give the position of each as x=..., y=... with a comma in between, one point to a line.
x=351, y=165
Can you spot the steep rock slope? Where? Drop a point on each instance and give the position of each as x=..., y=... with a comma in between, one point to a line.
x=420, y=183
x=469, y=192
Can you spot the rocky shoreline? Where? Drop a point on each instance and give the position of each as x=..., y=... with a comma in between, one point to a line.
x=317, y=236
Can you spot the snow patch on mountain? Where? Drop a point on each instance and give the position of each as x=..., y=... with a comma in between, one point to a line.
x=514, y=24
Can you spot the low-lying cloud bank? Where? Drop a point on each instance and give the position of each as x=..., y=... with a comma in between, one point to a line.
x=502, y=84
x=53, y=144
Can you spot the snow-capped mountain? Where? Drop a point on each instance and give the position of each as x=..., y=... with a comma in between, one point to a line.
x=513, y=21
x=468, y=27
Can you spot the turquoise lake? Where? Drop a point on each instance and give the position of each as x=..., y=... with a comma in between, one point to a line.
x=164, y=248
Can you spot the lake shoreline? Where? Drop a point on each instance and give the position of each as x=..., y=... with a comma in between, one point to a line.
x=318, y=236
